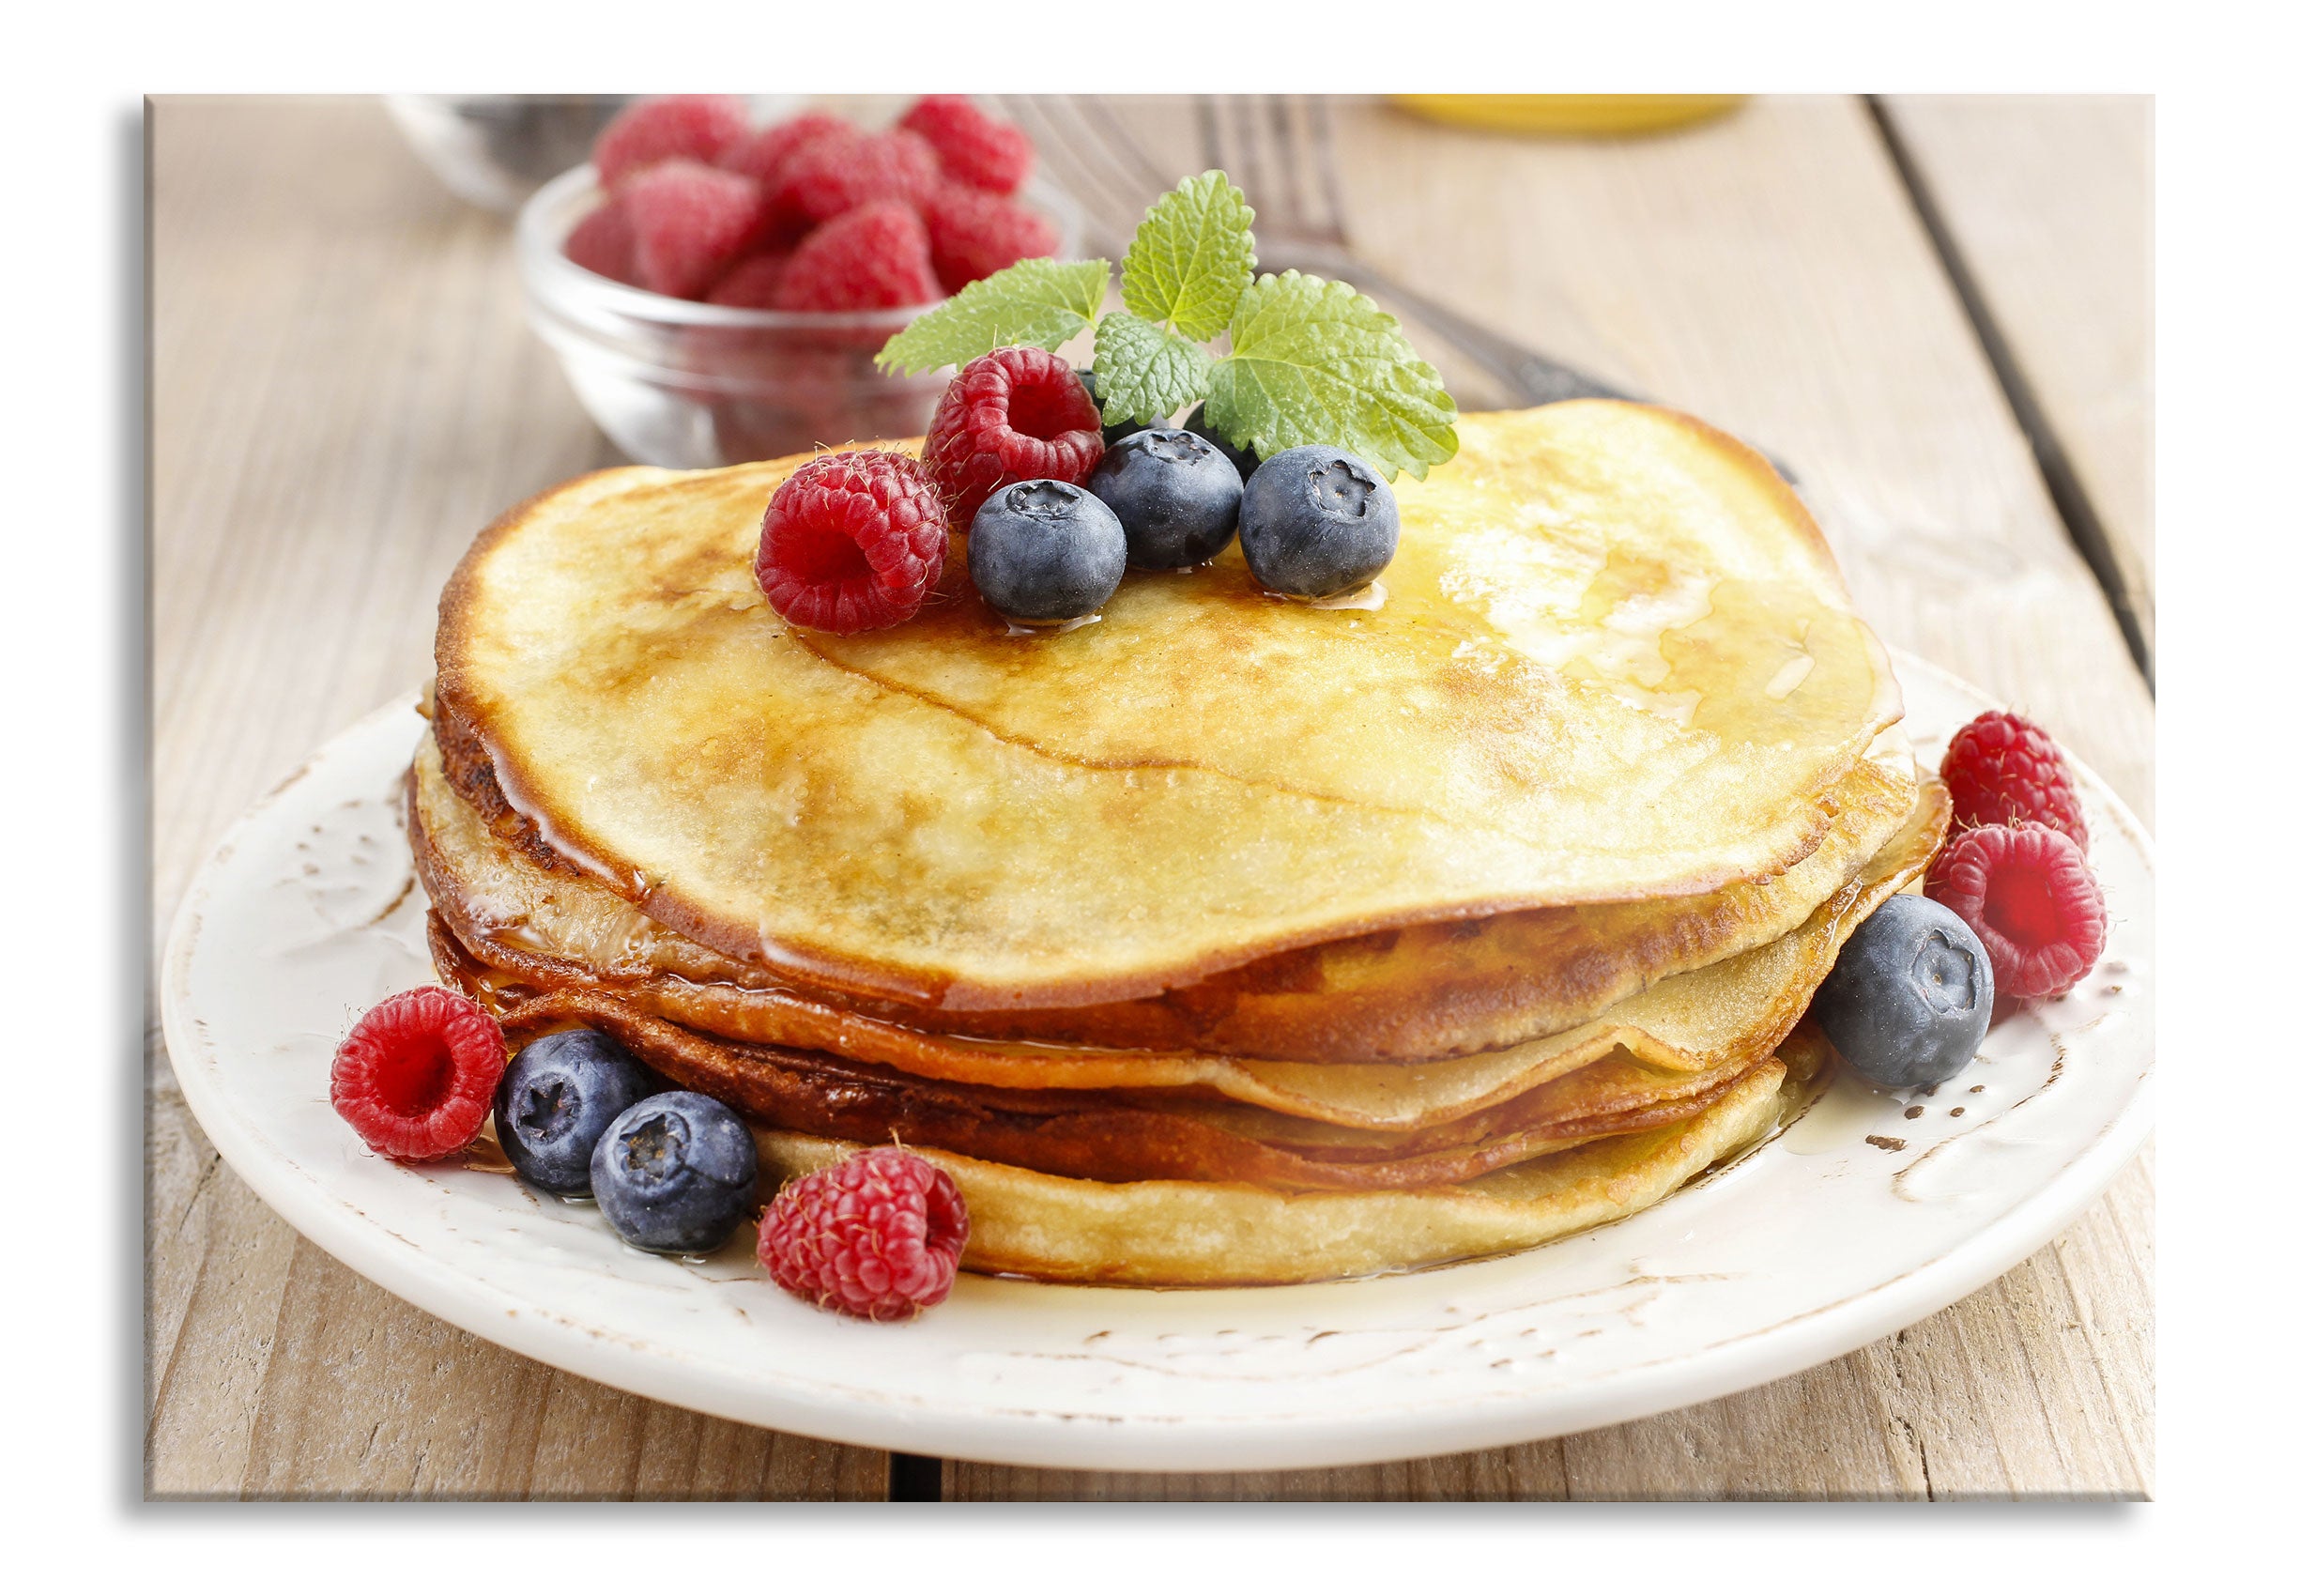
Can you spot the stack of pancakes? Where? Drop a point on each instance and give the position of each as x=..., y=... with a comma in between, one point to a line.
x=1227, y=939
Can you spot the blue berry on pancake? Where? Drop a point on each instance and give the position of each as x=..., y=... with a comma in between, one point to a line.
x=1245, y=460
x=1910, y=995
x=1316, y=522
x=676, y=1174
x=557, y=1098
x=1175, y=495
x=1045, y=551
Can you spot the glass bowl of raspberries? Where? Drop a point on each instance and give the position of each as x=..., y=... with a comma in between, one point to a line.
x=717, y=286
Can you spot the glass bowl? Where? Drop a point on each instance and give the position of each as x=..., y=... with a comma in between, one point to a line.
x=687, y=385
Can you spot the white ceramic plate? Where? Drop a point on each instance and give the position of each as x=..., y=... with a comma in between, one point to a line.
x=1856, y=1220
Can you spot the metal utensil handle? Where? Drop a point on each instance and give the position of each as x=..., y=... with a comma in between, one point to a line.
x=1535, y=377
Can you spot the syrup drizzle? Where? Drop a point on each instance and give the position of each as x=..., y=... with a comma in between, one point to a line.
x=1024, y=629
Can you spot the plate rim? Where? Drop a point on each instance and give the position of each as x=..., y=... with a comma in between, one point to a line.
x=1031, y=1437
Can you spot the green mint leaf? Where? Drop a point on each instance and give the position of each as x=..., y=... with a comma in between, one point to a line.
x=1032, y=302
x=1145, y=373
x=1313, y=362
x=1191, y=257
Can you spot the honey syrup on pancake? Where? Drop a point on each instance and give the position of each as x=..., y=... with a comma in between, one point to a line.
x=1607, y=636
x=1615, y=663
x=1421, y=994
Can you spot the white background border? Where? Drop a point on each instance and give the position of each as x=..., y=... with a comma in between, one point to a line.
x=72, y=417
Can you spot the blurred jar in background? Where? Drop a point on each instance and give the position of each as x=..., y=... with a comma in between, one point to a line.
x=495, y=149
x=1571, y=113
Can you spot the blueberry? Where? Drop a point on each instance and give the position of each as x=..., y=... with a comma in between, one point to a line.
x=1909, y=999
x=1045, y=551
x=1245, y=460
x=1316, y=522
x=1112, y=431
x=557, y=1098
x=676, y=1173
x=1175, y=494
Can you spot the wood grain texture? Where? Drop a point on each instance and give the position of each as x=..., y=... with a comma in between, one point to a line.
x=2050, y=204
x=344, y=390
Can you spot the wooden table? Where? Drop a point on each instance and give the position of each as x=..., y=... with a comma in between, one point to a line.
x=1939, y=311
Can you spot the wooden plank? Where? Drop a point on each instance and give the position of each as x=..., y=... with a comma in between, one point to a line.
x=1768, y=271
x=2049, y=200
x=343, y=392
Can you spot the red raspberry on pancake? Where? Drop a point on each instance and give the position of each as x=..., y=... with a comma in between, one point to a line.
x=876, y=1236
x=1011, y=416
x=2028, y=895
x=417, y=1076
x=852, y=541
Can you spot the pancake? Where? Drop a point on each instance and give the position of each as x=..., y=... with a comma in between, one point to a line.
x=1717, y=1019
x=1428, y=992
x=1616, y=664
x=1107, y=1136
x=1216, y=1233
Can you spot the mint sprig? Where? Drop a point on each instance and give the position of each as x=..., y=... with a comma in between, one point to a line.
x=1145, y=373
x=1313, y=362
x=1309, y=362
x=1191, y=257
x=1040, y=302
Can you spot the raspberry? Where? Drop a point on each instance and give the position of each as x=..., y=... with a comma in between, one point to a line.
x=2000, y=769
x=760, y=155
x=417, y=1076
x=834, y=171
x=691, y=127
x=877, y=1236
x=976, y=150
x=975, y=234
x=851, y=541
x=2027, y=894
x=1013, y=415
x=872, y=258
x=692, y=222
x=603, y=243
x=751, y=284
